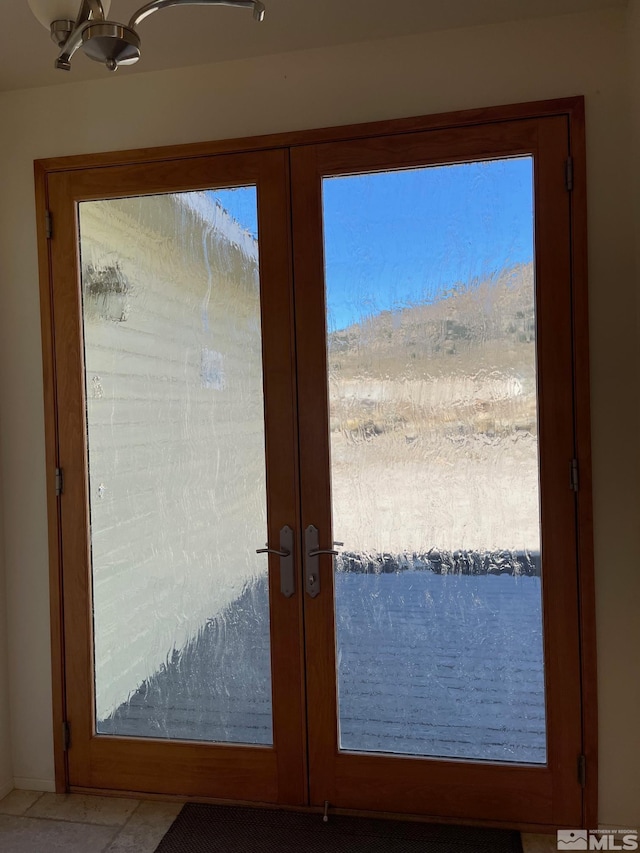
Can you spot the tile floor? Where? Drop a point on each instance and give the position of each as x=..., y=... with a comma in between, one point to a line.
x=32, y=822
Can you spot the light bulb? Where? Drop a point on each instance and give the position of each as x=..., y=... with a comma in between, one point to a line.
x=48, y=11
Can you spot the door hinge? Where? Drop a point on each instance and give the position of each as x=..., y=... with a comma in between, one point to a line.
x=48, y=224
x=582, y=771
x=59, y=482
x=66, y=735
x=575, y=479
x=568, y=174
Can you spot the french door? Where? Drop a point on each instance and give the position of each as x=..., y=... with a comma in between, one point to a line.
x=176, y=431
x=314, y=417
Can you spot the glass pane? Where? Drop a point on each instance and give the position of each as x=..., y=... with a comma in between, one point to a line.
x=171, y=305
x=434, y=461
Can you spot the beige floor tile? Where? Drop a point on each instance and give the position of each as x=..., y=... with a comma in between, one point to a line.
x=17, y=802
x=80, y=808
x=28, y=835
x=145, y=829
x=539, y=843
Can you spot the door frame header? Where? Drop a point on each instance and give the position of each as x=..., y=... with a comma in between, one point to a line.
x=572, y=107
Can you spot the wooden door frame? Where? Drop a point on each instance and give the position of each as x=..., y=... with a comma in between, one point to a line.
x=573, y=109
x=549, y=794
x=275, y=773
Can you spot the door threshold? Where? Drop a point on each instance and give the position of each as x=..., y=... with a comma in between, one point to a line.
x=535, y=828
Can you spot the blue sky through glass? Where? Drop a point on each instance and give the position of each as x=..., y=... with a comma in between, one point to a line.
x=396, y=239
x=241, y=203
x=400, y=238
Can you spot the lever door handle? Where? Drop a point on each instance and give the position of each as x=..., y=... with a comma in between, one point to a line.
x=312, y=566
x=273, y=551
x=285, y=552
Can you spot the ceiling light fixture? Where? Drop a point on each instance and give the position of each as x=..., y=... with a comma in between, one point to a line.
x=107, y=41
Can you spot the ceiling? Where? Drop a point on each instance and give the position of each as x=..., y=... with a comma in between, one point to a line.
x=178, y=37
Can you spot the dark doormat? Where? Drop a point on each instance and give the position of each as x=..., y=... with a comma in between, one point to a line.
x=232, y=829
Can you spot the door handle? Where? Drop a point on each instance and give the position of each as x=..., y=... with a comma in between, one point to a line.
x=312, y=567
x=287, y=577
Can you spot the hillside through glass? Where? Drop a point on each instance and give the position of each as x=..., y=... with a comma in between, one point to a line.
x=431, y=319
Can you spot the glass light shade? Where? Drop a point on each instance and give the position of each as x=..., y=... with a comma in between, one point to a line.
x=48, y=11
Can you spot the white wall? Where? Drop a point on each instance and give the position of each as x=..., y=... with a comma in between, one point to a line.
x=582, y=54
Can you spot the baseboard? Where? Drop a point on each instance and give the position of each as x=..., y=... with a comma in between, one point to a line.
x=25, y=784
x=5, y=789
x=633, y=825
